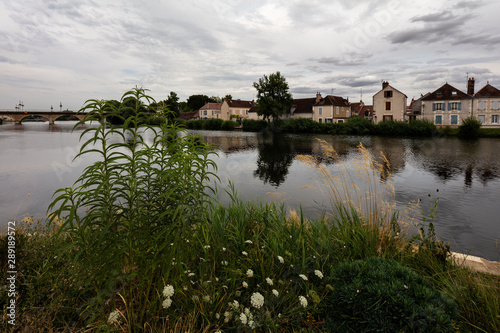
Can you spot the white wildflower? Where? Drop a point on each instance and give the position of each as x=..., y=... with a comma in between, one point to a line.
x=276, y=293
x=207, y=299
x=318, y=274
x=113, y=317
x=244, y=284
x=206, y=247
x=303, y=277
x=303, y=301
x=251, y=324
x=235, y=305
x=257, y=300
x=243, y=318
x=280, y=258
x=244, y=253
x=191, y=274
x=223, y=249
x=168, y=291
x=227, y=316
x=166, y=303
x=224, y=262
x=248, y=242
x=249, y=273
x=269, y=281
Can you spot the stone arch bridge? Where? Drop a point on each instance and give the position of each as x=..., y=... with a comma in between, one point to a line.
x=51, y=116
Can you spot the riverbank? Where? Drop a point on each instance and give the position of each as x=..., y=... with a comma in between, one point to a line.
x=244, y=266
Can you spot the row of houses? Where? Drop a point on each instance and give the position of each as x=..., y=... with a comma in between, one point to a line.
x=446, y=106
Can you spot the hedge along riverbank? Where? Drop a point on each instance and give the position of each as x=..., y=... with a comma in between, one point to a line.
x=361, y=126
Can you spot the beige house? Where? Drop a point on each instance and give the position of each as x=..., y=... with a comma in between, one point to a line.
x=234, y=109
x=331, y=109
x=486, y=106
x=389, y=104
x=447, y=106
x=210, y=111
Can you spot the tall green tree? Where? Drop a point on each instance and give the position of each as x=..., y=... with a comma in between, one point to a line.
x=195, y=102
x=273, y=97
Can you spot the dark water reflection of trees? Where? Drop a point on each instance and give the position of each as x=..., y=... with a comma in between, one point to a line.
x=446, y=158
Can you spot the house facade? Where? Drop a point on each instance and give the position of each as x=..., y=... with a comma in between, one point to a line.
x=210, y=111
x=389, y=104
x=331, y=109
x=446, y=106
x=234, y=109
x=486, y=106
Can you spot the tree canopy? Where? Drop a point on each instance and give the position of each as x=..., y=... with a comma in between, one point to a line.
x=273, y=97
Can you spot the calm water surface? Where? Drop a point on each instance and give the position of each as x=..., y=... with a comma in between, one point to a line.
x=37, y=159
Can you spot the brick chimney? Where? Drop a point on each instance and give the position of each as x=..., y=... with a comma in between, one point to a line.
x=385, y=84
x=470, y=86
x=318, y=97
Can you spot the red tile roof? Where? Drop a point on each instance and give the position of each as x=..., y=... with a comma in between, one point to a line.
x=212, y=106
x=188, y=115
x=488, y=91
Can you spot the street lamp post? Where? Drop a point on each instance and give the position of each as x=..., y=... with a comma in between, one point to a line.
x=60, y=106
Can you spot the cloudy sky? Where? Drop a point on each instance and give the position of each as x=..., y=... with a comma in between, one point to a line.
x=69, y=51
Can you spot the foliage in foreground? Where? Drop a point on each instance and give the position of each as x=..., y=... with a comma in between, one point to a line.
x=380, y=293
x=153, y=253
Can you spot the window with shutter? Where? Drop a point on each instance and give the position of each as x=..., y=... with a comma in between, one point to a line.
x=454, y=120
x=481, y=118
x=387, y=105
x=439, y=120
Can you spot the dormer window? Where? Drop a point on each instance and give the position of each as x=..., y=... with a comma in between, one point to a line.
x=388, y=93
x=454, y=93
x=439, y=94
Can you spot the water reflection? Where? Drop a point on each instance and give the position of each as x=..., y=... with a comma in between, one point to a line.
x=275, y=157
x=467, y=173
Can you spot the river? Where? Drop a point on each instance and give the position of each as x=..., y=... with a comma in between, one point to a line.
x=36, y=159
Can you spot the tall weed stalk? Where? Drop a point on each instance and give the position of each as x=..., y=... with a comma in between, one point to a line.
x=138, y=197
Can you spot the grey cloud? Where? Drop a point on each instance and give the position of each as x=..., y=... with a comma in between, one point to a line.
x=317, y=69
x=349, y=59
x=445, y=15
x=352, y=81
x=8, y=60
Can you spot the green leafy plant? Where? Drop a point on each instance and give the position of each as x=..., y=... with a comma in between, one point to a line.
x=139, y=196
x=380, y=295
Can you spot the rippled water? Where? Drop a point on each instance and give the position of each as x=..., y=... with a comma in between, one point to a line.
x=36, y=158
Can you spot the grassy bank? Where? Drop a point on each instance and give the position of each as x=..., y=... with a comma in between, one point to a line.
x=155, y=252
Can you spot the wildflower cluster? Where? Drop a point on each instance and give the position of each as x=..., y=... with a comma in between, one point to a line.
x=168, y=292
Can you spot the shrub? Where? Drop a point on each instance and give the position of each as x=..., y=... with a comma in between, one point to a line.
x=214, y=124
x=421, y=128
x=252, y=125
x=359, y=126
x=194, y=124
x=228, y=125
x=381, y=295
x=391, y=128
x=470, y=128
x=301, y=125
